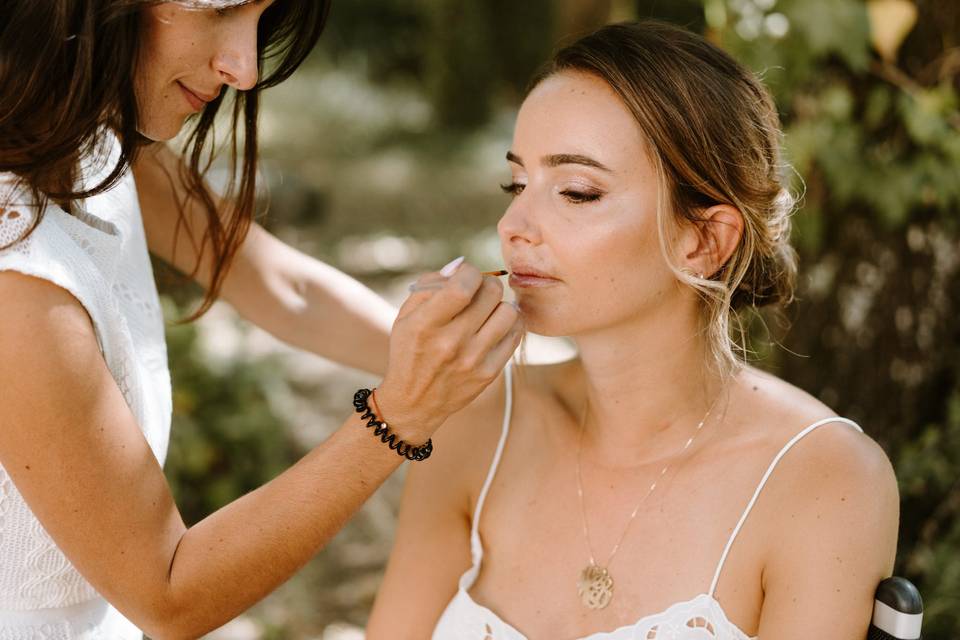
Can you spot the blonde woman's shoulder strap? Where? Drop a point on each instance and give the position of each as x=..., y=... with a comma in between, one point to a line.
x=475, y=544
x=763, y=482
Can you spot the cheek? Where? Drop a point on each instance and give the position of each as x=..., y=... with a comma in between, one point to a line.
x=161, y=107
x=643, y=276
x=618, y=255
x=149, y=63
x=156, y=110
x=612, y=274
x=167, y=49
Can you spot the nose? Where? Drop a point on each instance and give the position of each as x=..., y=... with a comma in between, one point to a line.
x=236, y=58
x=518, y=225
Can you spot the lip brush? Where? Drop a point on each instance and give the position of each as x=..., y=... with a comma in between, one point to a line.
x=428, y=287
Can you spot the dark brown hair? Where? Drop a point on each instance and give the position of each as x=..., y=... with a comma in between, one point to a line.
x=67, y=72
x=713, y=133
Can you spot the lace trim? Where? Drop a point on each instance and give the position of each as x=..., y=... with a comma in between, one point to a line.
x=700, y=618
x=14, y=223
x=53, y=631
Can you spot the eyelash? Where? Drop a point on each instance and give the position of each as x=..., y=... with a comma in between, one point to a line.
x=581, y=197
x=576, y=197
x=512, y=188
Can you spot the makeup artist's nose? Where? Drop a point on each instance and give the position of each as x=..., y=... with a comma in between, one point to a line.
x=518, y=224
x=236, y=59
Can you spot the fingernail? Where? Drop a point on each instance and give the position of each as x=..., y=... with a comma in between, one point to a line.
x=514, y=305
x=451, y=267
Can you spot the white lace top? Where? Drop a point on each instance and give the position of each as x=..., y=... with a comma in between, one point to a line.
x=700, y=618
x=100, y=256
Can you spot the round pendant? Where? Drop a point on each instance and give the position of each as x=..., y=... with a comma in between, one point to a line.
x=595, y=587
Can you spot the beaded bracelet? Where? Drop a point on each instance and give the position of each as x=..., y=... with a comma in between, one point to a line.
x=381, y=430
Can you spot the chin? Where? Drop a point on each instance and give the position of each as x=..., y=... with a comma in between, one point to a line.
x=161, y=129
x=552, y=323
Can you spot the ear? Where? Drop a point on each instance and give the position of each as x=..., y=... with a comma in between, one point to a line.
x=713, y=240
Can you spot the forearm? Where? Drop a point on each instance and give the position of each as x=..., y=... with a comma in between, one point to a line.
x=236, y=556
x=293, y=296
x=356, y=321
x=314, y=307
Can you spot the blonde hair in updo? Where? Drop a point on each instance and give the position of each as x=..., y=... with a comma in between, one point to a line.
x=713, y=134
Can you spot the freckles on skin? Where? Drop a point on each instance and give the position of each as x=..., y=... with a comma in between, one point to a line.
x=606, y=252
x=178, y=45
x=187, y=56
x=162, y=109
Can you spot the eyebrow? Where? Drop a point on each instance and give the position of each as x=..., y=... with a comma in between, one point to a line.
x=558, y=159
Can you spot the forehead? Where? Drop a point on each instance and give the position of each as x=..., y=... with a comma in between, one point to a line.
x=578, y=112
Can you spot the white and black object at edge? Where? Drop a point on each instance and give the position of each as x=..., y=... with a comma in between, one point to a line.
x=897, y=611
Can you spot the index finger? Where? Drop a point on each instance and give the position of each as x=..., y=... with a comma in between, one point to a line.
x=452, y=295
x=422, y=288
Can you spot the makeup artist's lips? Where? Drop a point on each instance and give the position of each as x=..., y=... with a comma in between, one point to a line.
x=523, y=276
x=195, y=100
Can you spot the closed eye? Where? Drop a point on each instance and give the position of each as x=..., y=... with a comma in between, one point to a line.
x=581, y=197
x=513, y=188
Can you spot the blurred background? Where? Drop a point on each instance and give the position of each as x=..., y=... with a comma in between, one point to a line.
x=383, y=156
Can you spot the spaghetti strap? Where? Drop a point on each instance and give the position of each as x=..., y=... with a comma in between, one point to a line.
x=475, y=546
x=763, y=482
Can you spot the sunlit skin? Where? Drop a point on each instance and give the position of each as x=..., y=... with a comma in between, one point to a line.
x=585, y=213
x=188, y=56
x=582, y=242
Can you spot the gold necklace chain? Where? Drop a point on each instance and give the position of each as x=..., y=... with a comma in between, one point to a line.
x=595, y=585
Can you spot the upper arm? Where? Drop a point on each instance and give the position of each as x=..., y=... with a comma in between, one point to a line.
x=432, y=546
x=174, y=225
x=75, y=453
x=269, y=283
x=431, y=550
x=175, y=233
x=262, y=266
x=834, y=544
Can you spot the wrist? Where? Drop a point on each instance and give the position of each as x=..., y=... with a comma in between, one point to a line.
x=410, y=426
x=415, y=450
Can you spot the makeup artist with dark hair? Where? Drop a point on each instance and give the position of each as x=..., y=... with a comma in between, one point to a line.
x=91, y=542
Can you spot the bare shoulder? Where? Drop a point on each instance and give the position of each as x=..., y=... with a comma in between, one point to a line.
x=47, y=341
x=781, y=411
x=465, y=445
x=835, y=479
x=826, y=524
x=40, y=313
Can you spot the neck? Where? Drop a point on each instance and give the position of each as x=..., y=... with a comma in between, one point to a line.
x=647, y=388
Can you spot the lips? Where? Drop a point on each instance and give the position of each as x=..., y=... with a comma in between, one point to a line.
x=196, y=100
x=522, y=275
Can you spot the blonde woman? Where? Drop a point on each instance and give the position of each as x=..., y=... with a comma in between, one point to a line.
x=656, y=487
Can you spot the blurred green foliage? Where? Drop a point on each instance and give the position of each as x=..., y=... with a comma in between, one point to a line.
x=469, y=56
x=876, y=146
x=226, y=439
x=877, y=143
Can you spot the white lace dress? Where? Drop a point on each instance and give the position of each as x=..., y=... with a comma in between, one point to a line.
x=100, y=256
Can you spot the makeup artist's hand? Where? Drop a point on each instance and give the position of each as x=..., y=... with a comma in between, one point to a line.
x=451, y=339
